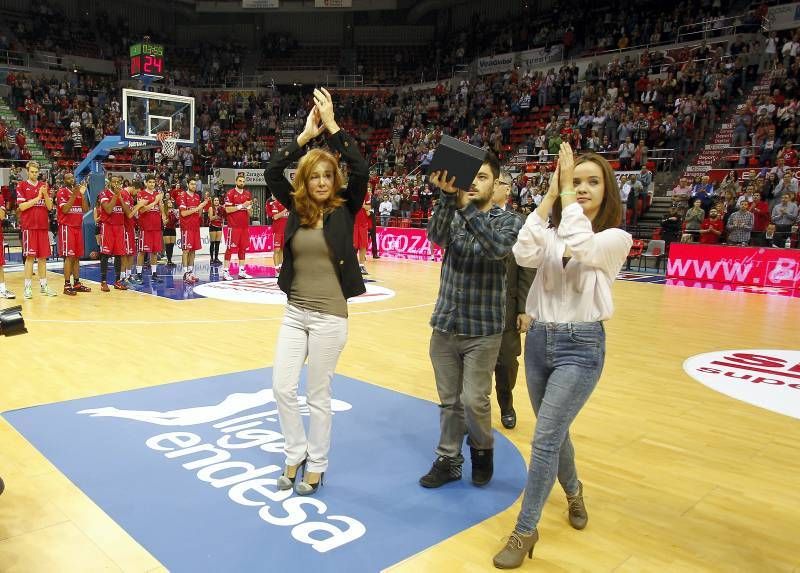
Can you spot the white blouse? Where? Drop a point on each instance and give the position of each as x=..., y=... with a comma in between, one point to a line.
x=581, y=291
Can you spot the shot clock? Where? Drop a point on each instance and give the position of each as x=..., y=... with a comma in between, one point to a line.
x=147, y=61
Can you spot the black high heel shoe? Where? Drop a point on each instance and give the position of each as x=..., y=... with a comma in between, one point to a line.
x=305, y=488
x=285, y=482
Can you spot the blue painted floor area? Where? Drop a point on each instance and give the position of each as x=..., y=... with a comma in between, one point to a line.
x=171, y=283
x=189, y=469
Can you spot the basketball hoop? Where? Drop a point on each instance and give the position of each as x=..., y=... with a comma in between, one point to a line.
x=169, y=143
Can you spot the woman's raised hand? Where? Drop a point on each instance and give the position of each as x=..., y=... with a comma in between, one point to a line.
x=314, y=127
x=324, y=103
x=566, y=165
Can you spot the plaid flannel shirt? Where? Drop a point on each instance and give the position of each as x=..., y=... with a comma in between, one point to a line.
x=740, y=223
x=472, y=290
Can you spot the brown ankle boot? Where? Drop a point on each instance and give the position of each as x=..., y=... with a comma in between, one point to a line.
x=513, y=554
x=577, y=510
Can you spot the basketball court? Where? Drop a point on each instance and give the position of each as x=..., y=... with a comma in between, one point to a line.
x=678, y=475
x=140, y=433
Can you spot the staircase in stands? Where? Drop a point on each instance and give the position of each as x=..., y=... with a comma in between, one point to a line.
x=715, y=148
x=703, y=161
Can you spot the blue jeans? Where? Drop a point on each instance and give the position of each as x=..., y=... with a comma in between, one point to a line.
x=563, y=363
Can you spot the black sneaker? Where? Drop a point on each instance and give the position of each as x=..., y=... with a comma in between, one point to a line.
x=509, y=419
x=443, y=470
x=482, y=465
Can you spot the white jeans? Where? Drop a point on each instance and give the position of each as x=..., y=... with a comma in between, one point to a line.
x=320, y=338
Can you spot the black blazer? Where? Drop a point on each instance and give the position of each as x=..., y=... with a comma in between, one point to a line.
x=337, y=226
x=518, y=283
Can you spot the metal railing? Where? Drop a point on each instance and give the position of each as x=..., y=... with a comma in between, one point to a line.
x=662, y=157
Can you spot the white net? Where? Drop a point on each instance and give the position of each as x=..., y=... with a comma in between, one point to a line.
x=169, y=143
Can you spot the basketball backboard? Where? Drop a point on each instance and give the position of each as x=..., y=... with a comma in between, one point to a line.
x=145, y=114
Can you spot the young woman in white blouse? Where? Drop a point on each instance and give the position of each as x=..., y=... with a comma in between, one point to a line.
x=577, y=258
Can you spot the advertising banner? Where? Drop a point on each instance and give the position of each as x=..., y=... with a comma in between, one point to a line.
x=531, y=58
x=495, y=64
x=756, y=266
x=402, y=243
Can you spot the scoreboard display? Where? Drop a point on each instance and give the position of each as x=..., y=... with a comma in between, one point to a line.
x=147, y=61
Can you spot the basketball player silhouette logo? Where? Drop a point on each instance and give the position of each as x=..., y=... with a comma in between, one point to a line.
x=230, y=406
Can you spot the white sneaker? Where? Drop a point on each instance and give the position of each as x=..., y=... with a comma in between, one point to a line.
x=363, y=269
x=7, y=294
x=226, y=276
x=28, y=292
x=244, y=275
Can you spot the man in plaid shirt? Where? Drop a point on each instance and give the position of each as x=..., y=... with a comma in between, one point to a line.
x=468, y=318
x=740, y=224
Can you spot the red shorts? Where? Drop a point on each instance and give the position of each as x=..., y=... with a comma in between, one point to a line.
x=70, y=241
x=190, y=239
x=278, y=228
x=129, y=241
x=360, y=237
x=151, y=241
x=238, y=239
x=35, y=243
x=112, y=240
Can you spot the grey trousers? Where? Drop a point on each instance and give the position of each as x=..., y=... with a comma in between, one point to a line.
x=463, y=367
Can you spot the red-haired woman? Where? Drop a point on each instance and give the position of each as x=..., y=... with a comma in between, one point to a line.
x=319, y=273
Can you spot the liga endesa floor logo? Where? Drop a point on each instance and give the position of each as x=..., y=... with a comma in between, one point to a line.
x=766, y=378
x=266, y=291
x=190, y=471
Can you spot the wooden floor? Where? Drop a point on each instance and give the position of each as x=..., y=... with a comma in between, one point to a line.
x=677, y=477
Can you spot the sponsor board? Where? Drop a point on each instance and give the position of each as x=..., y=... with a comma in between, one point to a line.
x=784, y=17
x=251, y=176
x=728, y=287
x=768, y=379
x=538, y=56
x=190, y=471
x=495, y=64
x=266, y=291
x=756, y=266
x=407, y=243
x=261, y=240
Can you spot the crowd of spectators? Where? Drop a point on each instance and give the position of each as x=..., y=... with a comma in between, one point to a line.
x=758, y=201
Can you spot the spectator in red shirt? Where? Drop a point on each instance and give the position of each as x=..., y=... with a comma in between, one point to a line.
x=789, y=155
x=711, y=228
x=20, y=140
x=761, y=217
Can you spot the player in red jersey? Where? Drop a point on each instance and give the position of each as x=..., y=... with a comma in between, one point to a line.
x=279, y=214
x=239, y=207
x=171, y=218
x=151, y=216
x=361, y=234
x=97, y=215
x=114, y=210
x=190, y=207
x=131, y=222
x=216, y=218
x=34, y=203
x=71, y=202
x=4, y=292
